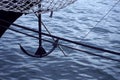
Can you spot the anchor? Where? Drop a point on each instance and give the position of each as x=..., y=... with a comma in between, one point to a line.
x=41, y=52
x=10, y=12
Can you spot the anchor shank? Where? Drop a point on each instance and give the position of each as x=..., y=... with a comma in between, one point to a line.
x=40, y=51
x=40, y=29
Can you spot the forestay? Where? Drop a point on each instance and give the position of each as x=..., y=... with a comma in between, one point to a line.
x=39, y=6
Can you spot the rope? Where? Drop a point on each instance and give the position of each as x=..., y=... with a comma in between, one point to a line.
x=85, y=45
x=74, y=42
x=61, y=49
x=90, y=53
x=101, y=20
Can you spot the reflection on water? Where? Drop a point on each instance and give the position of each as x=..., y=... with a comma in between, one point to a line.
x=73, y=22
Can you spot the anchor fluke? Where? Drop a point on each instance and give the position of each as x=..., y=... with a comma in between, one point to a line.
x=40, y=51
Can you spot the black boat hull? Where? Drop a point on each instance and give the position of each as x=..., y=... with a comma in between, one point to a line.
x=6, y=19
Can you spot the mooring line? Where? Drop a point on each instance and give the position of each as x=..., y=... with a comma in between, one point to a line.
x=90, y=53
x=100, y=20
x=61, y=49
x=67, y=40
x=74, y=42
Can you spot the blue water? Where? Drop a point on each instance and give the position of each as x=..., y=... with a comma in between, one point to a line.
x=73, y=22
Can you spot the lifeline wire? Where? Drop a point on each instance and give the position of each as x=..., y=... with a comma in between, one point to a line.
x=61, y=49
x=90, y=53
x=85, y=45
x=74, y=42
x=101, y=19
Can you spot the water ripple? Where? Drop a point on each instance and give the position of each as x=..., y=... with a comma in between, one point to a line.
x=72, y=23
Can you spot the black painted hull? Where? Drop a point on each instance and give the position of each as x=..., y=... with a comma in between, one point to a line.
x=5, y=17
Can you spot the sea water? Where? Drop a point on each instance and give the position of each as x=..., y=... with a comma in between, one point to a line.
x=76, y=22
